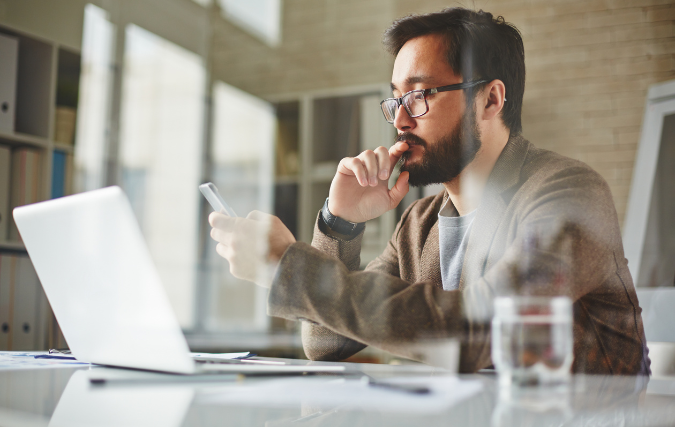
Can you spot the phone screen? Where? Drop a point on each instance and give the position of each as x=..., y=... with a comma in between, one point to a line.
x=211, y=193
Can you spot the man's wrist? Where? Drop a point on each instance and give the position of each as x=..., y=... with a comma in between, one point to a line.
x=340, y=226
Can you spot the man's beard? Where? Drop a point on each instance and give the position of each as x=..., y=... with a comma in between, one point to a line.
x=444, y=160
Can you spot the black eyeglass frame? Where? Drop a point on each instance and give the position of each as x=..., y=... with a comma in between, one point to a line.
x=425, y=93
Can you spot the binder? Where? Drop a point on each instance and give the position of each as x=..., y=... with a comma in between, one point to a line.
x=65, y=120
x=58, y=174
x=27, y=313
x=9, y=54
x=23, y=302
x=25, y=187
x=7, y=271
x=5, y=167
x=69, y=175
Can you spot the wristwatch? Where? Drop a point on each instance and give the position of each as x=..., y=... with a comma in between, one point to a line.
x=339, y=225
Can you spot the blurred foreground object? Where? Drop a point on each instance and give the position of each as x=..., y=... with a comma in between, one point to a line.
x=532, y=340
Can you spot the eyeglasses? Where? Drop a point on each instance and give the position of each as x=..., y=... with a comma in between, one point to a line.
x=415, y=101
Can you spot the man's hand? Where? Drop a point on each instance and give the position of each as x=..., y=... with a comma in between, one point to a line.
x=359, y=191
x=253, y=245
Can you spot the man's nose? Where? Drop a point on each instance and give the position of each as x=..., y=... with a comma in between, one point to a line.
x=403, y=121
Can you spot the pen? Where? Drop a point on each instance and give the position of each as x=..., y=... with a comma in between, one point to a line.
x=408, y=388
x=166, y=379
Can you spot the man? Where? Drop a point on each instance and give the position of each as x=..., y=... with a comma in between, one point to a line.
x=512, y=219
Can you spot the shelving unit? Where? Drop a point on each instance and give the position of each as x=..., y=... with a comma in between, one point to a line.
x=17, y=247
x=47, y=77
x=20, y=139
x=315, y=130
x=287, y=164
x=319, y=129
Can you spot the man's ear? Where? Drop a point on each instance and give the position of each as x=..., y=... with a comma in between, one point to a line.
x=494, y=96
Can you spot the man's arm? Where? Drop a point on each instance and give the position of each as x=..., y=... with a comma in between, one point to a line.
x=319, y=342
x=384, y=311
x=365, y=306
x=359, y=192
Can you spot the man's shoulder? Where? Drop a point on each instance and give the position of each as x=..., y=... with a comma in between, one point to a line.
x=550, y=177
x=542, y=165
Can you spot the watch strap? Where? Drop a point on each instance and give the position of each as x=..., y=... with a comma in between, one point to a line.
x=339, y=225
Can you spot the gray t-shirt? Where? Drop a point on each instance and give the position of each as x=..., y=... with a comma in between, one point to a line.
x=453, y=236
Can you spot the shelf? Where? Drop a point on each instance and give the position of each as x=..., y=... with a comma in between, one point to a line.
x=66, y=148
x=323, y=177
x=286, y=198
x=288, y=137
x=12, y=247
x=22, y=139
x=45, y=75
x=324, y=171
x=286, y=180
x=336, y=128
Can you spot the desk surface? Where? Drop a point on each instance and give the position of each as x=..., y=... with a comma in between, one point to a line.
x=65, y=396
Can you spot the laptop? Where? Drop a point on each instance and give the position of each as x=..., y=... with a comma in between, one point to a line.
x=99, y=278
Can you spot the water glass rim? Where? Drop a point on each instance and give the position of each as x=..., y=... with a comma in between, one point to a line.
x=532, y=298
x=509, y=304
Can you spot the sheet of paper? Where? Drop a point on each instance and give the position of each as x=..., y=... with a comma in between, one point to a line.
x=346, y=393
x=27, y=360
x=228, y=356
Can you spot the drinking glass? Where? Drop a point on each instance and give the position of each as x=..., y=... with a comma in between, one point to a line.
x=532, y=342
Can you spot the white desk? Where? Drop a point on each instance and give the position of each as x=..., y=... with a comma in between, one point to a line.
x=64, y=396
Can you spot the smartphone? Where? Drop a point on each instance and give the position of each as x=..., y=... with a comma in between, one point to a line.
x=216, y=201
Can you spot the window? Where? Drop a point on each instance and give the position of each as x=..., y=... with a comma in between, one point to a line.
x=262, y=18
x=95, y=80
x=242, y=157
x=160, y=156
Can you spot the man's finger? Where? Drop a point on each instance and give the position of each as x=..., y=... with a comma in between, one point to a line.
x=221, y=236
x=399, y=190
x=396, y=151
x=354, y=166
x=259, y=216
x=370, y=162
x=221, y=221
x=223, y=251
x=383, y=162
x=214, y=234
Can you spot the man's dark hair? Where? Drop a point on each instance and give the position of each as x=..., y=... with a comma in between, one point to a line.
x=479, y=46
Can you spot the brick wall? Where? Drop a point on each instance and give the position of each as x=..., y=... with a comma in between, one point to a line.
x=325, y=44
x=589, y=65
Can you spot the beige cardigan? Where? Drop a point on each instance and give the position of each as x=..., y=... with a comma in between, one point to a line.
x=546, y=225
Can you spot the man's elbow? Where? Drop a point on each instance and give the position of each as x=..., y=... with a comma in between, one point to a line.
x=322, y=344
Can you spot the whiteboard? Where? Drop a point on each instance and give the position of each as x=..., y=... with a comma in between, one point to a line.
x=647, y=245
